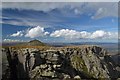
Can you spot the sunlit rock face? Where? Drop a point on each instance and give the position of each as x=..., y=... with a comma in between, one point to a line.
x=86, y=62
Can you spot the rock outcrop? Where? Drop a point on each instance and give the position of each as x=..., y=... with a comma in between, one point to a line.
x=89, y=62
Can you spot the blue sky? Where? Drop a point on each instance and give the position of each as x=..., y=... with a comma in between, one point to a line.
x=60, y=22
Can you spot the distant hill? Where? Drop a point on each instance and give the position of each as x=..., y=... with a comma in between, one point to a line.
x=36, y=43
x=30, y=43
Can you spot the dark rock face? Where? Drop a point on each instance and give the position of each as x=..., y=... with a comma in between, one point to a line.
x=89, y=62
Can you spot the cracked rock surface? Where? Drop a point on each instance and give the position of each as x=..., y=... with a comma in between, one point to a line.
x=88, y=62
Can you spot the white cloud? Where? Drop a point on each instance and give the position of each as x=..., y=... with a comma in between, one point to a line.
x=76, y=11
x=101, y=9
x=73, y=34
x=100, y=34
x=36, y=32
x=39, y=6
x=100, y=12
x=70, y=34
x=61, y=1
x=104, y=10
x=23, y=22
x=12, y=40
x=46, y=33
x=18, y=34
x=95, y=10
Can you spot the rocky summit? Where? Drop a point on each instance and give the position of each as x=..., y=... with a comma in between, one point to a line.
x=63, y=63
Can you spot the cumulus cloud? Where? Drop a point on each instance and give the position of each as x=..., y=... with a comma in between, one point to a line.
x=99, y=34
x=18, y=34
x=46, y=33
x=36, y=32
x=12, y=40
x=73, y=34
x=69, y=34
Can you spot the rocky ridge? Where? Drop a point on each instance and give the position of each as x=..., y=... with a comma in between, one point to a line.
x=88, y=62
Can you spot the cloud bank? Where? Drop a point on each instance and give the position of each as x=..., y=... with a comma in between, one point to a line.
x=73, y=34
x=61, y=1
x=67, y=34
x=100, y=9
